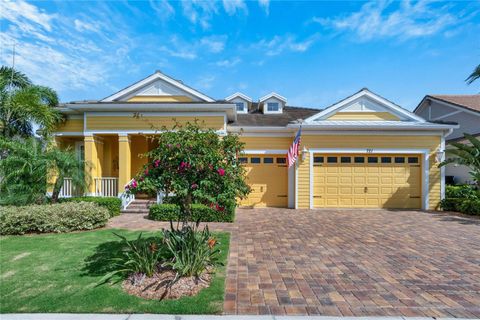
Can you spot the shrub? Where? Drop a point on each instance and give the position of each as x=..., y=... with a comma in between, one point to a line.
x=140, y=257
x=167, y=212
x=464, y=198
x=193, y=251
x=470, y=206
x=61, y=217
x=112, y=204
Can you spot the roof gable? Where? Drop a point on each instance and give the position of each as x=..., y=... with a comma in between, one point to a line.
x=363, y=106
x=273, y=95
x=239, y=95
x=158, y=85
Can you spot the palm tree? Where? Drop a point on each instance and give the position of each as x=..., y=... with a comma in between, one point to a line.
x=467, y=155
x=28, y=167
x=23, y=169
x=67, y=164
x=23, y=103
x=474, y=76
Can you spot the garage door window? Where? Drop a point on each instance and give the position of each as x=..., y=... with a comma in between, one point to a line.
x=317, y=159
x=243, y=160
x=332, y=159
x=399, y=160
x=345, y=159
x=372, y=160
x=254, y=160
x=281, y=160
x=267, y=160
x=386, y=160
x=359, y=159
x=412, y=159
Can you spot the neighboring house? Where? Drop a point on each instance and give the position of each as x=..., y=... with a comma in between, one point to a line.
x=461, y=109
x=362, y=152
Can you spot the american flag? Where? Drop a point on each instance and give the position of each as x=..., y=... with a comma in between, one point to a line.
x=292, y=154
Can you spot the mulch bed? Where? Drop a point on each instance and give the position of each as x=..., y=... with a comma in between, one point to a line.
x=157, y=286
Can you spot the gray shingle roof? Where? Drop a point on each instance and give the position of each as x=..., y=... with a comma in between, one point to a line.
x=256, y=118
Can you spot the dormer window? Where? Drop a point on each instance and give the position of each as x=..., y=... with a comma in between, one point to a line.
x=273, y=107
x=272, y=103
x=241, y=101
x=240, y=106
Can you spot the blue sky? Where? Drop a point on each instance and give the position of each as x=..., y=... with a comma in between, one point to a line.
x=313, y=53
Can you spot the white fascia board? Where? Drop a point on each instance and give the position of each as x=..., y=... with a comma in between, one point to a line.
x=273, y=95
x=371, y=95
x=151, y=78
x=228, y=108
x=413, y=126
x=239, y=95
x=259, y=129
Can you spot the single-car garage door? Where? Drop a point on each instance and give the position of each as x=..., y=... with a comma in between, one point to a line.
x=367, y=181
x=267, y=175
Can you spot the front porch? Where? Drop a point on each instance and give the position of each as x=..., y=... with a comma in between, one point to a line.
x=113, y=160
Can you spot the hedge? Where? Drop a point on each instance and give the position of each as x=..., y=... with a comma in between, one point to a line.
x=59, y=217
x=167, y=212
x=112, y=204
x=465, y=199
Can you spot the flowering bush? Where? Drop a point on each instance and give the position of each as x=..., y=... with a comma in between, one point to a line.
x=195, y=164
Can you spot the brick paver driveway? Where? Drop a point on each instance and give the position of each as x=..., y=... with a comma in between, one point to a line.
x=353, y=262
x=347, y=262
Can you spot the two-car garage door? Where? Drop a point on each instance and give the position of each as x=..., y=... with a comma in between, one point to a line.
x=366, y=181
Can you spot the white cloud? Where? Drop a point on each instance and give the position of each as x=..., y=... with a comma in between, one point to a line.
x=199, y=12
x=162, y=8
x=233, y=6
x=214, y=44
x=287, y=43
x=25, y=15
x=205, y=82
x=379, y=20
x=54, y=52
x=265, y=5
x=180, y=48
x=228, y=63
x=84, y=26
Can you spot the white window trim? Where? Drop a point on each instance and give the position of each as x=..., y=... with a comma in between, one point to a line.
x=245, y=107
x=425, y=166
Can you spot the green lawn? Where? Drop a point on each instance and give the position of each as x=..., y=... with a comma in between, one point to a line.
x=60, y=272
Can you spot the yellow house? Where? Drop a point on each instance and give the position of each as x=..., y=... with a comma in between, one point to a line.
x=362, y=152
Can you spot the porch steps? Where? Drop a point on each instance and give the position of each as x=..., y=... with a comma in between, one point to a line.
x=139, y=206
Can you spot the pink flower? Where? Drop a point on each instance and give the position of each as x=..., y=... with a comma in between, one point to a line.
x=146, y=172
x=134, y=183
x=221, y=171
x=157, y=163
x=194, y=186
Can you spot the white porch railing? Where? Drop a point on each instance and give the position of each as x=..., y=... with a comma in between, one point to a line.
x=106, y=186
x=67, y=189
x=127, y=197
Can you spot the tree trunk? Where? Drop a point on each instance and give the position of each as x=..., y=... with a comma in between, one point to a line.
x=56, y=189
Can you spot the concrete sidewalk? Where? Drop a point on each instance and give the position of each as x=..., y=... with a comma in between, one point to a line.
x=97, y=316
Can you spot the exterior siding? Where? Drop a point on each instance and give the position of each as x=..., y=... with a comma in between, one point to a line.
x=160, y=99
x=431, y=143
x=266, y=143
x=372, y=116
x=71, y=125
x=469, y=123
x=118, y=123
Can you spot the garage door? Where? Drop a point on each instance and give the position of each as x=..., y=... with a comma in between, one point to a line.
x=367, y=181
x=267, y=175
